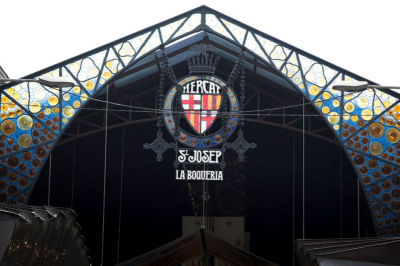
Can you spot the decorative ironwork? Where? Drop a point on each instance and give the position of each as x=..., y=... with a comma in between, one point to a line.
x=240, y=145
x=310, y=75
x=202, y=59
x=159, y=146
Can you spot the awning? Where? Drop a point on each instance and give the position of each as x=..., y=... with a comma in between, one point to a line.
x=349, y=252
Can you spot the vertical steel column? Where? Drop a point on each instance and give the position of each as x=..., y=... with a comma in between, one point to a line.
x=104, y=186
x=48, y=197
x=120, y=193
x=294, y=182
x=341, y=196
x=304, y=226
x=358, y=205
x=204, y=196
x=73, y=176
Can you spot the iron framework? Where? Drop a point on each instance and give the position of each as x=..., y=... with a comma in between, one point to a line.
x=349, y=116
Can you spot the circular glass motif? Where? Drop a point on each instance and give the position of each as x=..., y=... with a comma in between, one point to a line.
x=200, y=98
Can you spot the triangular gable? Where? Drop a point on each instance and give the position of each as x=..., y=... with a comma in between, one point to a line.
x=311, y=76
x=194, y=244
x=174, y=253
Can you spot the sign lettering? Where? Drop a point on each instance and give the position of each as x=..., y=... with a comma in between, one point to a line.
x=200, y=156
x=199, y=175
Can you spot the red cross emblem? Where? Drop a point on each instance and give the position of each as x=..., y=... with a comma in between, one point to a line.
x=201, y=110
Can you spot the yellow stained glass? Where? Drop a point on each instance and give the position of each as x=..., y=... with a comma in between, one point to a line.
x=354, y=118
x=335, y=103
x=386, y=104
x=55, y=110
x=318, y=103
x=109, y=64
x=377, y=111
x=24, y=102
x=347, y=97
x=10, y=91
x=77, y=104
x=65, y=120
x=35, y=107
x=76, y=89
x=4, y=99
x=106, y=75
x=375, y=148
x=53, y=100
x=336, y=127
x=313, y=90
x=334, y=118
x=84, y=97
x=326, y=95
x=362, y=102
x=25, y=122
x=11, y=104
x=16, y=96
x=68, y=111
x=349, y=107
x=66, y=97
x=297, y=79
x=366, y=114
x=47, y=111
x=325, y=109
x=89, y=85
x=74, y=67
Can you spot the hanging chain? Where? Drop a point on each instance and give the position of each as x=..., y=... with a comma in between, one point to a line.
x=161, y=98
x=242, y=90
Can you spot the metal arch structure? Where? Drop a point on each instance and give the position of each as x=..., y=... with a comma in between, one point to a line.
x=362, y=122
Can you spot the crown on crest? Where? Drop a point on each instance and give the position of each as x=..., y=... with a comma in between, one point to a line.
x=201, y=58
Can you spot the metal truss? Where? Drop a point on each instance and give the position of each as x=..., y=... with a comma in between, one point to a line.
x=309, y=75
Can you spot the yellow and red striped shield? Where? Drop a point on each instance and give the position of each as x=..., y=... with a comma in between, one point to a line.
x=201, y=110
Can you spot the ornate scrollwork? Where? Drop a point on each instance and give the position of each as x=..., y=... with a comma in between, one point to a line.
x=240, y=145
x=159, y=146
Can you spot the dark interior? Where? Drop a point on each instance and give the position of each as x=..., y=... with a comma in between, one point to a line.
x=260, y=188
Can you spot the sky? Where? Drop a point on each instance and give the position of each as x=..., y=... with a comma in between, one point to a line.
x=360, y=36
